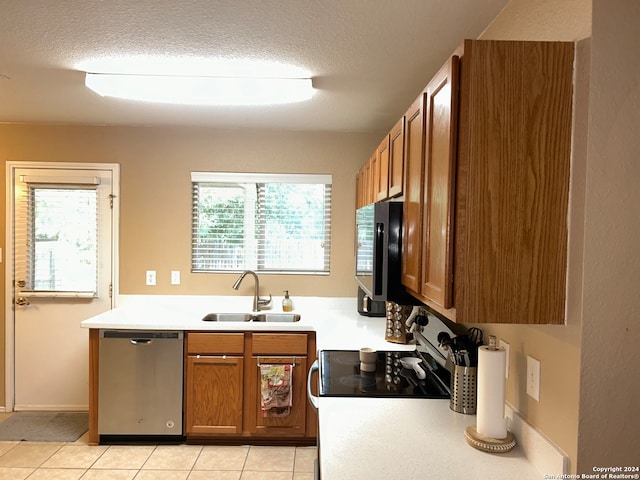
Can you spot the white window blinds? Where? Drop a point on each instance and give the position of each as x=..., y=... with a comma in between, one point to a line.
x=278, y=223
x=57, y=241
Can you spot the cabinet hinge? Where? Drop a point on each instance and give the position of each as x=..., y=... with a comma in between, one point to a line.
x=111, y=197
x=111, y=290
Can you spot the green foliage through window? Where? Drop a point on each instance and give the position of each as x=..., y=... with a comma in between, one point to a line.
x=278, y=225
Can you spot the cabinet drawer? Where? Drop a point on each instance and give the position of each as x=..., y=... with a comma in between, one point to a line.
x=279, y=344
x=221, y=343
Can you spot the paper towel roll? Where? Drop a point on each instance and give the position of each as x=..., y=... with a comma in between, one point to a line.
x=490, y=407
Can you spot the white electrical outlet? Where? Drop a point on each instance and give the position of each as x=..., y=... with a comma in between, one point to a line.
x=533, y=378
x=151, y=277
x=175, y=277
x=504, y=345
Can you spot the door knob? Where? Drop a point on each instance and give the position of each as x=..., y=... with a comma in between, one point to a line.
x=22, y=301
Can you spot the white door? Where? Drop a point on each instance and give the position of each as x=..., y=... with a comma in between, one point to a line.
x=62, y=274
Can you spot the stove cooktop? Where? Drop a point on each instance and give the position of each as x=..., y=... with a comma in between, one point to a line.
x=341, y=376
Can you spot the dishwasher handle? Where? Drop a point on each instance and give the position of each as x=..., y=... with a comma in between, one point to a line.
x=313, y=400
x=140, y=341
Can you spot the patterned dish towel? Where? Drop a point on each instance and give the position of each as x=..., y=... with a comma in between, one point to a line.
x=275, y=386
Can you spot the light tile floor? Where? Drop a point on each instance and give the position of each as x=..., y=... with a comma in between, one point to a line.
x=77, y=460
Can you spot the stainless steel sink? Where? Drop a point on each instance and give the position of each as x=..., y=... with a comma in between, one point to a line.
x=228, y=317
x=277, y=317
x=252, y=317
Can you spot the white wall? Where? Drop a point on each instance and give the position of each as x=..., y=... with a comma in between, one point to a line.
x=609, y=426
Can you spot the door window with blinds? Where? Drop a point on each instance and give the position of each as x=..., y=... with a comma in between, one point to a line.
x=277, y=223
x=59, y=243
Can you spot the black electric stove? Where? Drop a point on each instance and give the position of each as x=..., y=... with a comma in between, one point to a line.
x=341, y=376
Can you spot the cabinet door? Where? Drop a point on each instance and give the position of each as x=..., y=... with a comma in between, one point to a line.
x=412, y=213
x=293, y=424
x=514, y=164
x=359, y=188
x=396, y=159
x=213, y=395
x=439, y=185
x=367, y=181
x=381, y=177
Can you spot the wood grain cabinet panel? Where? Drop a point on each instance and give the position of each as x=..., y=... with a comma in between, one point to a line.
x=413, y=194
x=223, y=395
x=486, y=184
x=381, y=176
x=514, y=148
x=292, y=424
x=213, y=395
x=396, y=159
x=439, y=186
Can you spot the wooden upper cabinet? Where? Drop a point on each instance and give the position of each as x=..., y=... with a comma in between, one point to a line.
x=413, y=194
x=381, y=172
x=364, y=187
x=514, y=148
x=439, y=186
x=396, y=159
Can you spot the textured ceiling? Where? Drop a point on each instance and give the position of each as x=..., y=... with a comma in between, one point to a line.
x=369, y=58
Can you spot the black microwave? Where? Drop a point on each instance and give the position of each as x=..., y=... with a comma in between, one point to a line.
x=379, y=252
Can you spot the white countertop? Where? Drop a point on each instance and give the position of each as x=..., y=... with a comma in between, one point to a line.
x=404, y=439
x=334, y=319
x=360, y=438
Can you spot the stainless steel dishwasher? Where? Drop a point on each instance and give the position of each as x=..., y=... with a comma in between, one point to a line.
x=140, y=383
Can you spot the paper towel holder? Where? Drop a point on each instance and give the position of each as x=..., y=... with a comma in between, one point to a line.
x=489, y=444
x=484, y=442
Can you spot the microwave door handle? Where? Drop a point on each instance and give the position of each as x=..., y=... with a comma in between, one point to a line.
x=379, y=259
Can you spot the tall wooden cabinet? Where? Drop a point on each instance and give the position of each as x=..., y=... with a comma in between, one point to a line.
x=396, y=159
x=487, y=147
x=499, y=253
x=381, y=173
x=413, y=194
x=430, y=159
x=514, y=149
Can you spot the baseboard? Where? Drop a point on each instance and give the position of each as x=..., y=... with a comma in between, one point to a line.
x=539, y=450
x=51, y=408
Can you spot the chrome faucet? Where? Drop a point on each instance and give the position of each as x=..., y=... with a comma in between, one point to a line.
x=257, y=301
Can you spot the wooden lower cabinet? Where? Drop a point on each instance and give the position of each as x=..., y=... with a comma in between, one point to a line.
x=222, y=386
x=214, y=394
x=293, y=424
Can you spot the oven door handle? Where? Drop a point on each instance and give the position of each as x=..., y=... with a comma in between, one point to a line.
x=313, y=400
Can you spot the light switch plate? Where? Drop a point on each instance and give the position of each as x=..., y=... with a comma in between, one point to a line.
x=151, y=277
x=175, y=277
x=533, y=378
x=504, y=345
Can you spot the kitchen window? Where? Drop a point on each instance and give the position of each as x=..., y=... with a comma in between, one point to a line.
x=275, y=223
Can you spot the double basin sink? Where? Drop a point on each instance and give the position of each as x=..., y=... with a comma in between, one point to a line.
x=252, y=317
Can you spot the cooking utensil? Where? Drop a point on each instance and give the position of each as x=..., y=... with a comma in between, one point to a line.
x=411, y=362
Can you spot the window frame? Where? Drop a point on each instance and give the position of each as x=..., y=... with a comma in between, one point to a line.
x=199, y=179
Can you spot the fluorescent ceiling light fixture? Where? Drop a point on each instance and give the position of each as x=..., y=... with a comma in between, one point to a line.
x=201, y=81
x=201, y=90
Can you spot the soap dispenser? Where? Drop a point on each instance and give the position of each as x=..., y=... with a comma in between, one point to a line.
x=287, y=304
